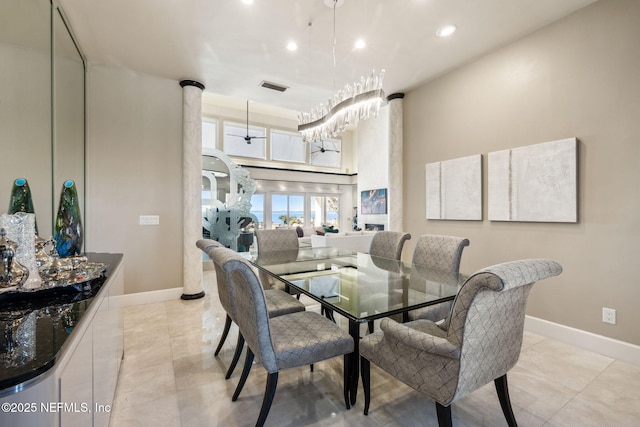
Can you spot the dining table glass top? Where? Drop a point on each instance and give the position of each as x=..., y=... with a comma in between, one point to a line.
x=357, y=285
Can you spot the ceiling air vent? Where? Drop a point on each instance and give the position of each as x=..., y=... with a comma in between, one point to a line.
x=274, y=86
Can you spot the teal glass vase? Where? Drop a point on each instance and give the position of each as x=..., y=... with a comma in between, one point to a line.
x=67, y=232
x=20, y=200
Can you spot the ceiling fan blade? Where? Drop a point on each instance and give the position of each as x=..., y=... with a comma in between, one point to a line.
x=239, y=136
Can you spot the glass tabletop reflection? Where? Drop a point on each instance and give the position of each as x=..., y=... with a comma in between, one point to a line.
x=357, y=285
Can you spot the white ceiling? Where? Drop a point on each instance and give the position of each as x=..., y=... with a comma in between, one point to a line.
x=231, y=47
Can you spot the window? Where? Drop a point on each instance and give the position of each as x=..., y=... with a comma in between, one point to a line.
x=257, y=208
x=287, y=146
x=325, y=210
x=287, y=210
x=209, y=133
x=325, y=153
x=236, y=145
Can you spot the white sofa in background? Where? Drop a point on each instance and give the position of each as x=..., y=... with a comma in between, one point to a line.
x=351, y=240
x=305, y=240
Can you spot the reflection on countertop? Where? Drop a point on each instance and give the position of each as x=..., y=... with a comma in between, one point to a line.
x=34, y=331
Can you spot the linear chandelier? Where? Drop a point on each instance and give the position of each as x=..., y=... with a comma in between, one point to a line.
x=347, y=107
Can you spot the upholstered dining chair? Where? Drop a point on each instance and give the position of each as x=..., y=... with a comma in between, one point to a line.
x=479, y=342
x=440, y=256
x=283, y=342
x=388, y=244
x=278, y=302
x=274, y=247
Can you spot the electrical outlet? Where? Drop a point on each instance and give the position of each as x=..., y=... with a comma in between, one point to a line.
x=609, y=315
x=149, y=219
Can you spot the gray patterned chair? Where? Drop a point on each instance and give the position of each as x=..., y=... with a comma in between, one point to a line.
x=440, y=256
x=283, y=342
x=276, y=247
x=479, y=342
x=388, y=244
x=278, y=302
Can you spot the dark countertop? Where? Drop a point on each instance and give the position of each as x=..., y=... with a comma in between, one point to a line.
x=34, y=333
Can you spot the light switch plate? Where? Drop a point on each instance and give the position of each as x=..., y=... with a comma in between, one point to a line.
x=149, y=219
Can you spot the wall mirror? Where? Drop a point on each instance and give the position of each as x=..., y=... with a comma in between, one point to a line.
x=25, y=104
x=68, y=72
x=42, y=106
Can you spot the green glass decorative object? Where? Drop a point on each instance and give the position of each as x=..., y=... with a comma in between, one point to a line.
x=68, y=227
x=20, y=200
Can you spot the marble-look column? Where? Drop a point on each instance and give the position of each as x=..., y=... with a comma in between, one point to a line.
x=191, y=188
x=396, y=188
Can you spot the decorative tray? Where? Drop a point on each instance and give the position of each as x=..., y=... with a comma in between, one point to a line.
x=59, y=281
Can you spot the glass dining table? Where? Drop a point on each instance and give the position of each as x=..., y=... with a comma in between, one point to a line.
x=357, y=286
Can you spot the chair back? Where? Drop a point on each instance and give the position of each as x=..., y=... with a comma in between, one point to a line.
x=219, y=255
x=487, y=319
x=284, y=239
x=439, y=253
x=388, y=244
x=251, y=308
x=277, y=246
x=205, y=244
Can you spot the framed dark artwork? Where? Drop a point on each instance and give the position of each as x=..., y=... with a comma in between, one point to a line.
x=373, y=201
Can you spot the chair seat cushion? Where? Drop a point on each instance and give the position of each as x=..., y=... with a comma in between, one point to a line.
x=307, y=337
x=280, y=303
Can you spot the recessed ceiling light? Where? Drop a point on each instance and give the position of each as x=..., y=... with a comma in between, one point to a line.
x=247, y=1
x=360, y=44
x=445, y=30
x=292, y=46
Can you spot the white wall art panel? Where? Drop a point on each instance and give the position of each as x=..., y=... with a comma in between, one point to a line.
x=454, y=189
x=536, y=183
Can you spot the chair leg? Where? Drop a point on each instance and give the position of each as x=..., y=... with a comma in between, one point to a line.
x=365, y=372
x=269, y=393
x=236, y=356
x=505, y=402
x=346, y=372
x=444, y=415
x=225, y=332
x=329, y=314
x=245, y=373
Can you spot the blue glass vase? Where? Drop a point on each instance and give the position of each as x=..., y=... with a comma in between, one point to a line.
x=20, y=200
x=68, y=227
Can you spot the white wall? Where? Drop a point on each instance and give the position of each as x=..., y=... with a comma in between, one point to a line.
x=373, y=162
x=134, y=167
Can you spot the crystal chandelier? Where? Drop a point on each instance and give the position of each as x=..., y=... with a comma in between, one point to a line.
x=347, y=107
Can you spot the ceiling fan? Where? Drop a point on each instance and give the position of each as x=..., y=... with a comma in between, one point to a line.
x=324, y=150
x=248, y=137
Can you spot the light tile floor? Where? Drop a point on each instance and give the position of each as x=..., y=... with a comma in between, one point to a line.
x=169, y=377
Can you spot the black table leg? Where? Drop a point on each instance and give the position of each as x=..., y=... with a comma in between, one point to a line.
x=354, y=331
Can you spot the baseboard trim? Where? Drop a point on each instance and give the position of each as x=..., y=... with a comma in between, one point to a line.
x=151, y=297
x=619, y=350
